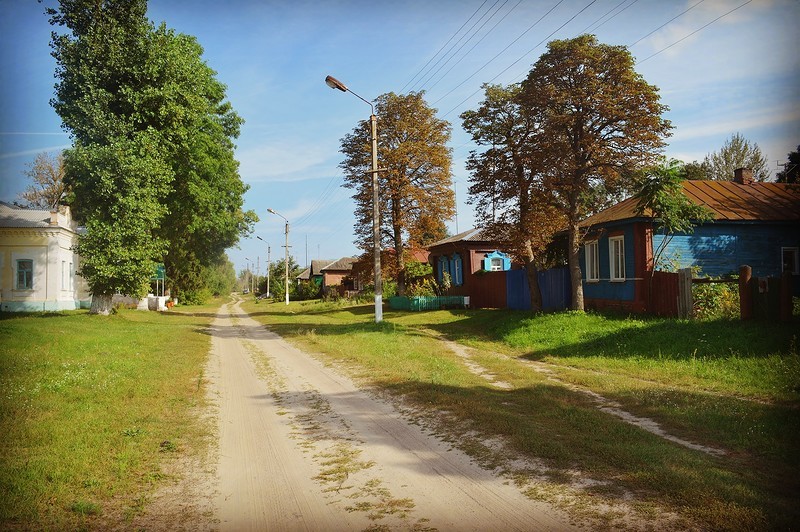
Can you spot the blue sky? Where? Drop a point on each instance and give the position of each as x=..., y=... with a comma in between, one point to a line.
x=739, y=73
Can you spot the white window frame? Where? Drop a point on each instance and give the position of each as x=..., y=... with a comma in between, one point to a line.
x=616, y=258
x=497, y=264
x=592, y=256
x=795, y=259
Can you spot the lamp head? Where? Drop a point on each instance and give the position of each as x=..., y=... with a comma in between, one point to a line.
x=271, y=211
x=334, y=83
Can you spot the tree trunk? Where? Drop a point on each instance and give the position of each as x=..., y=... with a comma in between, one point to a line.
x=400, y=262
x=101, y=304
x=573, y=260
x=533, y=283
x=533, y=278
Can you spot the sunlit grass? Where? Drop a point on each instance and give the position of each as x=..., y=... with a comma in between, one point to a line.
x=724, y=384
x=87, y=404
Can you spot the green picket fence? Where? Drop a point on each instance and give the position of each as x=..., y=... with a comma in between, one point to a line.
x=417, y=303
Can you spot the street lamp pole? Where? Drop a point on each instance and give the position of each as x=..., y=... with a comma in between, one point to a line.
x=286, y=265
x=268, y=261
x=249, y=279
x=376, y=229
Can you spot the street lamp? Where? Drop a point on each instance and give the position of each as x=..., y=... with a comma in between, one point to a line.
x=286, y=273
x=249, y=275
x=268, y=261
x=376, y=229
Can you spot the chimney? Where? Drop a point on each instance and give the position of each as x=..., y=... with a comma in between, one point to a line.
x=743, y=176
x=54, y=217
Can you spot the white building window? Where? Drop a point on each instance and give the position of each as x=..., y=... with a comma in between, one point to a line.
x=25, y=275
x=497, y=264
x=592, y=261
x=71, y=277
x=791, y=260
x=616, y=255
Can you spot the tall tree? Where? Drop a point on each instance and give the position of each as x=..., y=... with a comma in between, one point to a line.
x=507, y=187
x=113, y=168
x=737, y=152
x=416, y=195
x=49, y=188
x=600, y=121
x=791, y=169
x=149, y=130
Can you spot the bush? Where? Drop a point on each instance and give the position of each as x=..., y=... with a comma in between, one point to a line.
x=716, y=300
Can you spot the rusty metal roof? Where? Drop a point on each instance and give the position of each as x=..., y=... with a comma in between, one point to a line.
x=729, y=201
x=473, y=235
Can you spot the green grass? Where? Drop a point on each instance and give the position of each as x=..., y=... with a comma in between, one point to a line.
x=87, y=402
x=725, y=384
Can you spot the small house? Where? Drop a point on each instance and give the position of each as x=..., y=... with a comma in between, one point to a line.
x=37, y=263
x=754, y=224
x=469, y=259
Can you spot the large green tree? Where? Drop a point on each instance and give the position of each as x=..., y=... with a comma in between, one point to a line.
x=600, y=121
x=416, y=195
x=736, y=152
x=507, y=185
x=152, y=140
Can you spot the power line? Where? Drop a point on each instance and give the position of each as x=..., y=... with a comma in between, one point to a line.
x=444, y=45
x=525, y=55
x=695, y=31
x=597, y=24
x=499, y=53
x=427, y=75
x=667, y=22
x=476, y=44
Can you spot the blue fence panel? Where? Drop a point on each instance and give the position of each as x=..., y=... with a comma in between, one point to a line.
x=518, y=293
x=554, y=285
x=556, y=289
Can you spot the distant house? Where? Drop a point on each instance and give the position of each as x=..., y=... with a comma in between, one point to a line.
x=468, y=258
x=37, y=264
x=338, y=276
x=314, y=272
x=754, y=224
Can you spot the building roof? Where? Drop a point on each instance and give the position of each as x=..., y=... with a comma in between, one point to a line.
x=473, y=235
x=343, y=264
x=12, y=216
x=728, y=201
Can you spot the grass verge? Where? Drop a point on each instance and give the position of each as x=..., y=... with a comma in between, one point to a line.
x=91, y=407
x=724, y=384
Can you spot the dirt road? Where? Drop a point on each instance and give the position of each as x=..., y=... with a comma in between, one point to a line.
x=302, y=448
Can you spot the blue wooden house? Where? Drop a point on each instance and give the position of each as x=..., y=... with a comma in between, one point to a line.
x=754, y=224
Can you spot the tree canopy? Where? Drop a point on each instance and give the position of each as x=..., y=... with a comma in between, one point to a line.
x=416, y=195
x=151, y=167
x=600, y=121
x=507, y=184
x=736, y=152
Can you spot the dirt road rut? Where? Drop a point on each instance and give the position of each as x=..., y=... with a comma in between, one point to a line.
x=301, y=447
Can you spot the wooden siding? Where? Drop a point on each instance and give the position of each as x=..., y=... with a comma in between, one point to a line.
x=720, y=249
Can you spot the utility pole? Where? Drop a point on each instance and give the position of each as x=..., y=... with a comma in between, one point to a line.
x=286, y=263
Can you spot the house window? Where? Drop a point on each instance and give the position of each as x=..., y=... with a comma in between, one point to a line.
x=24, y=275
x=457, y=270
x=592, y=261
x=616, y=252
x=497, y=264
x=442, y=267
x=791, y=260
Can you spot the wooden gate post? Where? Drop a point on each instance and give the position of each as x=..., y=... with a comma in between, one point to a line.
x=786, y=296
x=685, y=302
x=745, y=292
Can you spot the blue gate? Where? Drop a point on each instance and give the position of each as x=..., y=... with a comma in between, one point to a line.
x=554, y=285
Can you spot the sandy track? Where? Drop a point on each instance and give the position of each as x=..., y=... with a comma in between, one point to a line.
x=302, y=448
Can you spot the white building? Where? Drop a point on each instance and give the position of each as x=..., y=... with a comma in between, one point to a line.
x=37, y=264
